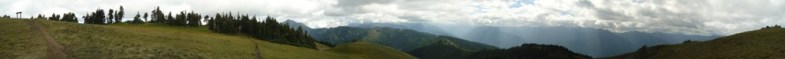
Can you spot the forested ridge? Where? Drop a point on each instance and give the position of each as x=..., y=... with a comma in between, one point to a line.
x=268, y=29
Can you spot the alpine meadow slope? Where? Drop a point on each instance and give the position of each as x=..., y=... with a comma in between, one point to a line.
x=89, y=41
x=766, y=43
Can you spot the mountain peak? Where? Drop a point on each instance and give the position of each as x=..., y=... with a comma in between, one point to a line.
x=295, y=24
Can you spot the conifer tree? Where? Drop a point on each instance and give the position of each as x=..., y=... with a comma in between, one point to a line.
x=137, y=20
x=119, y=16
x=40, y=16
x=170, y=19
x=145, y=17
x=111, y=16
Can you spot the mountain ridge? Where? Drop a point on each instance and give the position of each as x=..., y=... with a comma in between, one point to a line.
x=589, y=41
x=757, y=44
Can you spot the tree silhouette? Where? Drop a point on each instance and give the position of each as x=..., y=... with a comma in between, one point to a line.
x=96, y=17
x=145, y=17
x=111, y=16
x=157, y=16
x=137, y=20
x=194, y=19
x=6, y=16
x=40, y=16
x=119, y=16
x=87, y=19
x=69, y=17
x=170, y=18
x=179, y=19
x=54, y=17
x=772, y=27
x=99, y=17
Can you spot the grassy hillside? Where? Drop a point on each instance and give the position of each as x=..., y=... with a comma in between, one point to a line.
x=758, y=44
x=371, y=50
x=17, y=40
x=87, y=41
x=529, y=51
x=449, y=48
x=404, y=40
x=419, y=44
x=401, y=39
x=444, y=49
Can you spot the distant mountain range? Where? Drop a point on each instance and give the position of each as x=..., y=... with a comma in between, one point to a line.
x=448, y=48
x=593, y=42
x=402, y=39
x=590, y=41
x=419, y=44
x=429, y=46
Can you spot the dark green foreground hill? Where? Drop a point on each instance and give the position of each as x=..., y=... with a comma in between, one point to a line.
x=759, y=44
x=160, y=41
x=419, y=44
x=448, y=48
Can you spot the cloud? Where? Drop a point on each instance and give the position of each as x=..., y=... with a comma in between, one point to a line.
x=695, y=17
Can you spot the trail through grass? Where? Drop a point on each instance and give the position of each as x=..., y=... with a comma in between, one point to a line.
x=157, y=41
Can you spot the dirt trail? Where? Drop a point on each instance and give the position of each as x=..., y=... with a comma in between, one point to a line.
x=55, y=49
x=256, y=48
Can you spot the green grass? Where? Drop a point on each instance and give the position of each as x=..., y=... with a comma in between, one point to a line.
x=135, y=41
x=17, y=40
x=758, y=44
x=370, y=50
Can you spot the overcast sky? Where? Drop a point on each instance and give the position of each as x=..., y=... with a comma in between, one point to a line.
x=696, y=17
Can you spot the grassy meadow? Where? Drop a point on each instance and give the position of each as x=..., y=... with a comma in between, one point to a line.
x=135, y=41
x=18, y=40
x=757, y=44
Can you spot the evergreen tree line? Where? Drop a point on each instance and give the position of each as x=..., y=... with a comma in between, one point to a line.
x=40, y=16
x=184, y=19
x=112, y=16
x=157, y=16
x=772, y=27
x=269, y=29
x=181, y=19
x=5, y=16
x=228, y=23
x=54, y=17
x=68, y=17
x=101, y=17
x=96, y=17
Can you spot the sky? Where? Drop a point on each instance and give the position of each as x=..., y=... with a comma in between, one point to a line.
x=692, y=17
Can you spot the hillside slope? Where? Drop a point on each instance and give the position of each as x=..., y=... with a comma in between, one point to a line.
x=371, y=50
x=401, y=39
x=443, y=49
x=529, y=51
x=590, y=41
x=134, y=41
x=17, y=40
x=758, y=44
